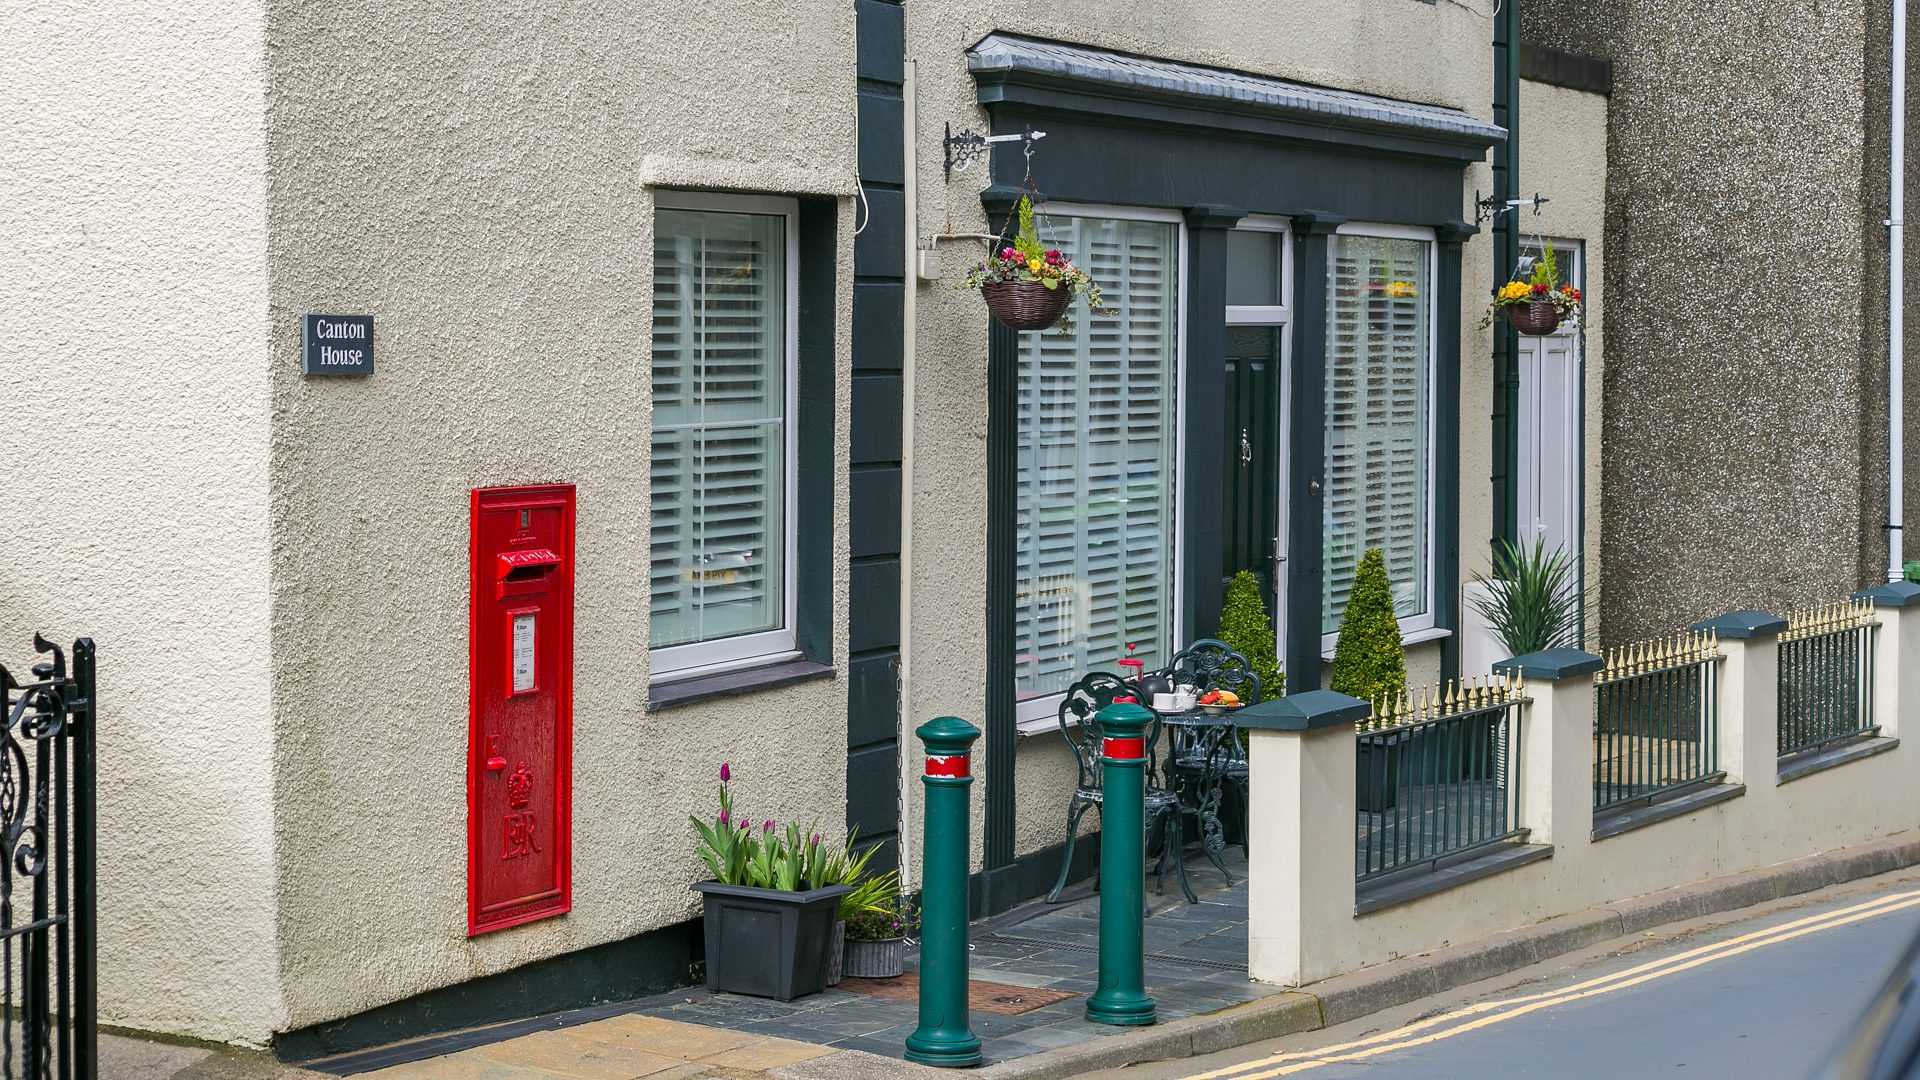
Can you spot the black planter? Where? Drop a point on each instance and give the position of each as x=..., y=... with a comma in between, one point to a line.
x=1377, y=758
x=768, y=943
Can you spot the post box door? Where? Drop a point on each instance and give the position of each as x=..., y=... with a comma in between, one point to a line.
x=520, y=736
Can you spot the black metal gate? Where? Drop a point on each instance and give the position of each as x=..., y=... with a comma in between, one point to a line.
x=47, y=894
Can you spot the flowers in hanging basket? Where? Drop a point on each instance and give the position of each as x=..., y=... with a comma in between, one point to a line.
x=1537, y=304
x=1400, y=290
x=1013, y=276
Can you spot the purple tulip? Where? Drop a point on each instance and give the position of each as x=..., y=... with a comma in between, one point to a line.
x=723, y=817
x=768, y=827
x=726, y=774
x=815, y=842
x=745, y=825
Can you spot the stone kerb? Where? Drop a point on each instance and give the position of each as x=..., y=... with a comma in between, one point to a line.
x=1749, y=700
x=1896, y=673
x=1556, y=745
x=1302, y=759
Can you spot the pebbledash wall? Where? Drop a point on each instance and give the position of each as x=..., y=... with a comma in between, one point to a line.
x=1781, y=210
x=134, y=456
x=481, y=180
x=1439, y=55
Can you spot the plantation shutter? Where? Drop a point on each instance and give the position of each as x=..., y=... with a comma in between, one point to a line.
x=1378, y=408
x=719, y=426
x=1096, y=468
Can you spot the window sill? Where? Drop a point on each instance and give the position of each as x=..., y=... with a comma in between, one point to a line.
x=1411, y=637
x=668, y=695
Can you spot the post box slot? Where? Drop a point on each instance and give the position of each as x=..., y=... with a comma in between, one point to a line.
x=528, y=573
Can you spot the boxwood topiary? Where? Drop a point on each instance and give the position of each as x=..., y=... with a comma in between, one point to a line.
x=1369, y=661
x=1245, y=626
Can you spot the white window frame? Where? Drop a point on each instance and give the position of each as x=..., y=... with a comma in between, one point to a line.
x=675, y=662
x=1041, y=714
x=1420, y=627
x=1280, y=315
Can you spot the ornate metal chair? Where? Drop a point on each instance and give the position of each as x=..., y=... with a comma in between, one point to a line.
x=1204, y=763
x=1079, y=727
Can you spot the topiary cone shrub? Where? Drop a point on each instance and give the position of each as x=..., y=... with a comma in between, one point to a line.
x=1369, y=661
x=1244, y=625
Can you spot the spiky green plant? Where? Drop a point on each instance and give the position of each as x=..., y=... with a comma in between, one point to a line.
x=1244, y=625
x=1533, y=598
x=1913, y=571
x=1369, y=660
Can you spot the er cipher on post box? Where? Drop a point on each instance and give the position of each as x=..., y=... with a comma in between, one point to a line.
x=520, y=733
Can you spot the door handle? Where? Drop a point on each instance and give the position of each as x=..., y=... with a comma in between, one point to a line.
x=1246, y=449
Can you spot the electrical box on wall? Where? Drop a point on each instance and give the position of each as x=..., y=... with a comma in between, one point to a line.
x=520, y=726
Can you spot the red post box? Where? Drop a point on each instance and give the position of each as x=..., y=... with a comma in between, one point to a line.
x=520, y=718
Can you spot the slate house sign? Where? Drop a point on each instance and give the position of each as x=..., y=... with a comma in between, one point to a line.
x=337, y=345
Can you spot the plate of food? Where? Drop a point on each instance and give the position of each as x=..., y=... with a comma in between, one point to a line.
x=1219, y=702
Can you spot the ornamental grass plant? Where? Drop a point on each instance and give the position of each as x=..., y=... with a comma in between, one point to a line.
x=1533, y=599
x=1369, y=660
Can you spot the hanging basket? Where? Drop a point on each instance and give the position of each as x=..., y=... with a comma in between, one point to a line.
x=1025, y=305
x=1536, y=318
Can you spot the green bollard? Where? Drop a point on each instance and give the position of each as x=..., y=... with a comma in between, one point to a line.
x=1122, y=997
x=944, y=1036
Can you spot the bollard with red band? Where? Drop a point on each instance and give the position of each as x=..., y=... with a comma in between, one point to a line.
x=945, y=1036
x=1122, y=996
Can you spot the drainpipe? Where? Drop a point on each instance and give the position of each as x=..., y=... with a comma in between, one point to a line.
x=910, y=199
x=1896, y=313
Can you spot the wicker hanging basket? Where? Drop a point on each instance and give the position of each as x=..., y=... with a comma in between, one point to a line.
x=1537, y=318
x=1025, y=305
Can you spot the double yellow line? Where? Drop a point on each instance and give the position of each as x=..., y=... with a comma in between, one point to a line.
x=1486, y=1014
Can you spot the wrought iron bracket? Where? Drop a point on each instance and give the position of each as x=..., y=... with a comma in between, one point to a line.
x=969, y=146
x=1492, y=207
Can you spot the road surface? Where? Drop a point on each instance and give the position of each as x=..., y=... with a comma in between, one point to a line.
x=1762, y=993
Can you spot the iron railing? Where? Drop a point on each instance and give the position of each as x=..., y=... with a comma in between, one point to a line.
x=1438, y=777
x=1826, y=676
x=1656, y=721
x=47, y=893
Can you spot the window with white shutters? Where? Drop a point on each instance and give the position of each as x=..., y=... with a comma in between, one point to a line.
x=1097, y=443
x=1379, y=406
x=723, y=359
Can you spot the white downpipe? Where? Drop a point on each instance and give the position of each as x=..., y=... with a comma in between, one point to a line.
x=1896, y=281
x=909, y=776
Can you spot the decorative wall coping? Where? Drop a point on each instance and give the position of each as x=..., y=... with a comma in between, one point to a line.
x=1309, y=710
x=1742, y=625
x=1893, y=594
x=1551, y=664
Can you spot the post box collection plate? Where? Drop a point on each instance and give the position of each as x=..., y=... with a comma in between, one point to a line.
x=520, y=733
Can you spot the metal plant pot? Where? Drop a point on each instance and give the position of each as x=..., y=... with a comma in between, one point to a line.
x=1536, y=319
x=881, y=959
x=766, y=942
x=1025, y=305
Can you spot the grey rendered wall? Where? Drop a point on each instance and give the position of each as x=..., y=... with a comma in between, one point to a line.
x=134, y=458
x=1733, y=462
x=1563, y=155
x=477, y=177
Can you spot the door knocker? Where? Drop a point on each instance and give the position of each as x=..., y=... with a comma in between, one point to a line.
x=1246, y=449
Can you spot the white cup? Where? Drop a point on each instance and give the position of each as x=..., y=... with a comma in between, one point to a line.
x=1166, y=702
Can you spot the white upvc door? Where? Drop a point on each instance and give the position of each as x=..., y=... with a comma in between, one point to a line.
x=1552, y=407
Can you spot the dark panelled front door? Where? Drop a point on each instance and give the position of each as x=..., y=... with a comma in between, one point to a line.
x=1254, y=463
